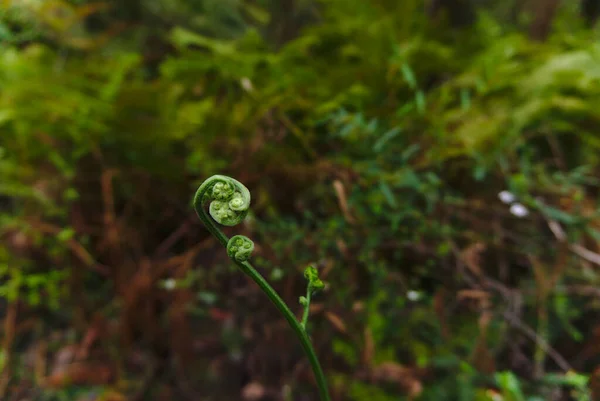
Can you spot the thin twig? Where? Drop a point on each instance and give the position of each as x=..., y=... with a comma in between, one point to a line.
x=506, y=293
x=579, y=250
x=164, y=247
x=588, y=290
x=542, y=343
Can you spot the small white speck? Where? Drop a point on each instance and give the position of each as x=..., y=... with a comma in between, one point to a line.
x=506, y=197
x=519, y=210
x=169, y=284
x=247, y=84
x=413, y=295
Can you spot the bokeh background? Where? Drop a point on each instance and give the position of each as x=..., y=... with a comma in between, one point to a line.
x=436, y=160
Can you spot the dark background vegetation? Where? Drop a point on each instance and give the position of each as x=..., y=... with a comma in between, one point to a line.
x=375, y=137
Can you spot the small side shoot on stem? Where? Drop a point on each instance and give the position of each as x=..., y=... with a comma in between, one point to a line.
x=314, y=285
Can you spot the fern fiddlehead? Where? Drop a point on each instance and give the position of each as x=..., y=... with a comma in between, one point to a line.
x=229, y=204
x=239, y=248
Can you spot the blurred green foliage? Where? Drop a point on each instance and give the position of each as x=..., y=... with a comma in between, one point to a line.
x=375, y=141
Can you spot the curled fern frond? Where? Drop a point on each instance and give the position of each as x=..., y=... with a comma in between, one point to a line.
x=239, y=248
x=229, y=199
x=314, y=282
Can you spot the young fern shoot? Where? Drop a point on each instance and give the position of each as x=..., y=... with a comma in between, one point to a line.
x=314, y=285
x=229, y=204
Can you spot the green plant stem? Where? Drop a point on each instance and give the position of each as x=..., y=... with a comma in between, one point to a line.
x=296, y=326
x=306, y=307
x=249, y=270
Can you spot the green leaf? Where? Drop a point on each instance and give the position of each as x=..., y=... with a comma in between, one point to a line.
x=378, y=146
x=65, y=235
x=184, y=38
x=510, y=386
x=259, y=14
x=465, y=99
x=410, y=152
x=409, y=76
x=387, y=193
x=556, y=214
